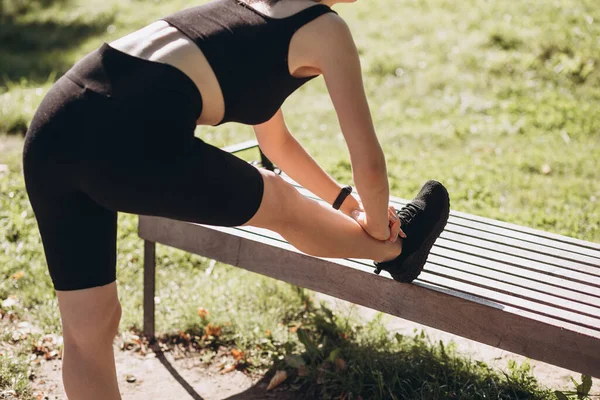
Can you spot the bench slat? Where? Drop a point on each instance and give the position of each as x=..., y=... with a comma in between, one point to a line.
x=579, y=276
x=521, y=297
x=552, y=239
x=550, y=284
x=570, y=289
x=533, y=335
x=472, y=286
x=468, y=233
x=513, y=297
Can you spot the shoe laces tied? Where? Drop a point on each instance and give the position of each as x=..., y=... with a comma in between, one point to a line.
x=408, y=213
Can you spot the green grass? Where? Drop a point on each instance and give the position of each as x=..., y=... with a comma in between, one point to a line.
x=481, y=95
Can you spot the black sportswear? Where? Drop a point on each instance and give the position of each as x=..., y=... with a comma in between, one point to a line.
x=248, y=52
x=116, y=133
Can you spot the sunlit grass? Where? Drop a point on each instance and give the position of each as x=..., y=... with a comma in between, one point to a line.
x=498, y=100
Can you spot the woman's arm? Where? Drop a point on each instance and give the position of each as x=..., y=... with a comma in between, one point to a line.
x=334, y=53
x=283, y=149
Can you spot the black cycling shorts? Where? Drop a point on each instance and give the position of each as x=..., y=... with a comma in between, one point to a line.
x=116, y=133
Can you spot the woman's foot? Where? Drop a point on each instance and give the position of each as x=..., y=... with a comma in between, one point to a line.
x=423, y=220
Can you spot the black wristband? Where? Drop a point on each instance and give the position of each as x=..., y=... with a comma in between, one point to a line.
x=345, y=192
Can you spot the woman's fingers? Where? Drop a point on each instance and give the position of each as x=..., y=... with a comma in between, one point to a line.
x=395, y=225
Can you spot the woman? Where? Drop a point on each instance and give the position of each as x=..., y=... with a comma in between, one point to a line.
x=116, y=133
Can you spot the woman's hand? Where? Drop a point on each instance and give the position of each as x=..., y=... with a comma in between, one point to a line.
x=391, y=232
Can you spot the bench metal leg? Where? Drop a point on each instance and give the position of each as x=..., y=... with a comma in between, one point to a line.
x=149, y=286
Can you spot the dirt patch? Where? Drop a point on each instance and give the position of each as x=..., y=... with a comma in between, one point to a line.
x=167, y=377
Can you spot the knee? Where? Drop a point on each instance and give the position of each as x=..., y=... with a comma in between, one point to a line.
x=279, y=196
x=99, y=326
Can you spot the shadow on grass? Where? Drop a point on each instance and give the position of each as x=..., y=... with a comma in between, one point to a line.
x=336, y=359
x=35, y=49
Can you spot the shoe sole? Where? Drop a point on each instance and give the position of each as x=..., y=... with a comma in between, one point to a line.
x=413, y=264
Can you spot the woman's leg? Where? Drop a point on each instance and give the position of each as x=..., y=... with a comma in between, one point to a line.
x=315, y=228
x=90, y=318
x=79, y=239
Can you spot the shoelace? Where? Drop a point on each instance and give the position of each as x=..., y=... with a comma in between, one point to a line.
x=407, y=214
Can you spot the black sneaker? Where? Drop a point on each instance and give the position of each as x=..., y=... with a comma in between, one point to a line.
x=423, y=220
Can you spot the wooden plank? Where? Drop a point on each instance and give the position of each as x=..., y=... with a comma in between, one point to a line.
x=511, y=329
x=537, y=274
x=533, y=280
x=553, y=237
x=522, y=297
x=467, y=234
x=571, y=288
x=579, y=275
x=517, y=300
x=149, y=286
x=503, y=299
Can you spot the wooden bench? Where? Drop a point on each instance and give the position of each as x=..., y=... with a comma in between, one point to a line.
x=523, y=290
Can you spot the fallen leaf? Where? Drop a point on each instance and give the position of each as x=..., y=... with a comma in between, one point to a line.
x=18, y=275
x=237, y=354
x=203, y=312
x=228, y=368
x=211, y=330
x=277, y=379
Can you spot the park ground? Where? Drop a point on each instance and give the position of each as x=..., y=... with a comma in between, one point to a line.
x=499, y=100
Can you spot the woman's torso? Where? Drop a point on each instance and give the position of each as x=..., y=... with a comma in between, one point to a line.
x=161, y=42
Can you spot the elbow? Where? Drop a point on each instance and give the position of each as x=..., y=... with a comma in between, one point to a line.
x=369, y=163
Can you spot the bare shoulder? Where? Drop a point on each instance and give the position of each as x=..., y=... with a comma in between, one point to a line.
x=330, y=28
x=324, y=40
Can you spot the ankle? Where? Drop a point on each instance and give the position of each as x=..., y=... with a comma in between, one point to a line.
x=393, y=251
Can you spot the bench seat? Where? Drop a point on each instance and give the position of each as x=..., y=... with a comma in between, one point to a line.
x=523, y=290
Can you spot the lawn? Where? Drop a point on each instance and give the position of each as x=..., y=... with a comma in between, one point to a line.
x=498, y=100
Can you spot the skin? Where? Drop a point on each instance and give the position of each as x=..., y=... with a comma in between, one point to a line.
x=369, y=230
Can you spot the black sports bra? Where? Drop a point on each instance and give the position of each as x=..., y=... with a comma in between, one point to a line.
x=248, y=52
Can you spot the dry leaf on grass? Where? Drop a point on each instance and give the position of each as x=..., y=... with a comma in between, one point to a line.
x=277, y=379
x=203, y=312
x=18, y=275
x=237, y=354
x=212, y=330
x=228, y=368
